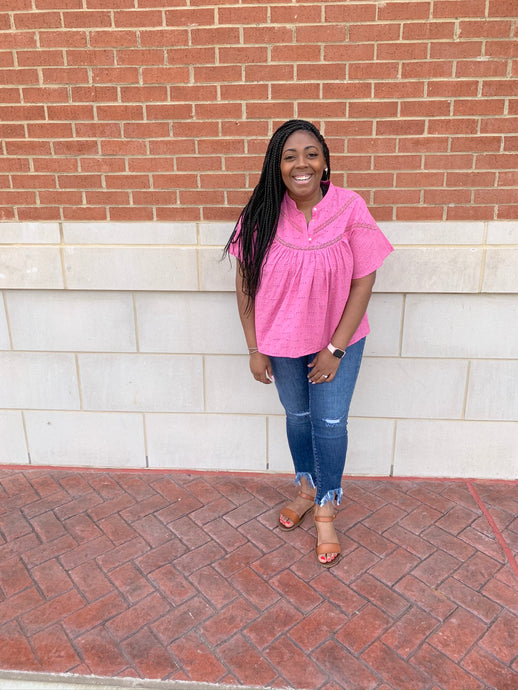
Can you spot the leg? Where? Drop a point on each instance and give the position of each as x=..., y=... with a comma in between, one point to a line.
x=329, y=405
x=292, y=385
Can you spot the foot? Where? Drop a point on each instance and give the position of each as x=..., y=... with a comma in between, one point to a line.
x=328, y=547
x=293, y=514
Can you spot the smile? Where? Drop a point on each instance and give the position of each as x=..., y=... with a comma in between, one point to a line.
x=301, y=178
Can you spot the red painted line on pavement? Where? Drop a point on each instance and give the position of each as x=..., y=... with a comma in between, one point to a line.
x=499, y=536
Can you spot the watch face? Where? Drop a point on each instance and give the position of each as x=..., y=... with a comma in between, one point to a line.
x=338, y=353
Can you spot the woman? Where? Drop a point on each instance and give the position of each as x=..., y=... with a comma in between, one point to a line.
x=307, y=257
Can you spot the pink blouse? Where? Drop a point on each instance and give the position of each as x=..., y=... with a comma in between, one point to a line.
x=307, y=273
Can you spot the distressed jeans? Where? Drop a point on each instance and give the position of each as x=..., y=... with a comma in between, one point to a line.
x=316, y=419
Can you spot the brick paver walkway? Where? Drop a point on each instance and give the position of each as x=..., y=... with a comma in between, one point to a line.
x=167, y=575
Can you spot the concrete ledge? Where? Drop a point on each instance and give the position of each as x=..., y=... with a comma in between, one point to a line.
x=464, y=257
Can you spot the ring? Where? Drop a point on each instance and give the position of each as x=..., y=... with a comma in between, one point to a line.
x=325, y=376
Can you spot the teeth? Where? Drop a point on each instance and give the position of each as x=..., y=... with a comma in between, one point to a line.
x=302, y=177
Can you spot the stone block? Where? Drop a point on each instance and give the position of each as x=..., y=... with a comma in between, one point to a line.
x=159, y=383
x=460, y=326
x=130, y=233
x=231, y=388
x=38, y=380
x=385, y=318
x=447, y=448
x=5, y=343
x=215, y=233
x=13, y=448
x=131, y=268
x=431, y=269
x=29, y=233
x=30, y=267
x=432, y=233
x=211, y=442
x=370, y=447
x=86, y=439
x=71, y=321
x=189, y=322
x=500, y=270
x=414, y=388
x=493, y=391
x=216, y=274
x=502, y=232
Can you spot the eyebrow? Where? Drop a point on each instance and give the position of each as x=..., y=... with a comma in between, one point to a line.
x=311, y=146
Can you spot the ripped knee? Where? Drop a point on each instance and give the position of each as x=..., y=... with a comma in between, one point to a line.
x=334, y=422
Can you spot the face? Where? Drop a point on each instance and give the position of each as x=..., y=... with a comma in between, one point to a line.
x=302, y=165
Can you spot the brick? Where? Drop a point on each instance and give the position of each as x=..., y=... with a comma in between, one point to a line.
x=322, y=33
x=15, y=650
x=294, y=665
x=65, y=75
x=13, y=576
x=150, y=658
x=115, y=39
x=445, y=671
x=136, y=18
x=115, y=75
x=458, y=634
x=205, y=55
x=502, y=8
x=338, y=662
x=90, y=57
x=401, y=10
x=54, y=650
x=374, y=70
x=100, y=653
x=458, y=88
x=269, y=35
x=35, y=20
x=90, y=20
x=63, y=39
x=199, y=16
x=409, y=632
x=88, y=617
x=52, y=579
x=49, y=612
x=502, y=638
x=182, y=619
x=243, y=15
x=245, y=663
x=19, y=39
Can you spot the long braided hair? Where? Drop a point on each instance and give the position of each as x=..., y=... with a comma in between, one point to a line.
x=257, y=223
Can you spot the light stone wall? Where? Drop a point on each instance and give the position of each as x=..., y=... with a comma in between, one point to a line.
x=120, y=346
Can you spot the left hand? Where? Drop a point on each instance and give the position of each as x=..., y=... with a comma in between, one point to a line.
x=323, y=367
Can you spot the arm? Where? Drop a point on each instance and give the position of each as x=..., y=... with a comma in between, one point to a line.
x=355, y=308
x=260, y=365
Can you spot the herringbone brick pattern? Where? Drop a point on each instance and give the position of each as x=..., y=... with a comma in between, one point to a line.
x=167, y=575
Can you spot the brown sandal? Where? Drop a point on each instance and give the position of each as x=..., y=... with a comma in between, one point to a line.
x=332, y=547
x=294, y=517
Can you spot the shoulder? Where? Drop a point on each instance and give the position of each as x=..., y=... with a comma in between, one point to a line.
x=348, y=205
x=341, y=195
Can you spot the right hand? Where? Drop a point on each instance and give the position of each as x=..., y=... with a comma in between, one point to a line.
x=261, y=367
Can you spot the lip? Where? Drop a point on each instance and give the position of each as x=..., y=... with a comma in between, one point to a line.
x=302, y=179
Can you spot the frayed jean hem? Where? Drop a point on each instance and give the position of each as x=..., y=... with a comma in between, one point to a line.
x=307, y=476
x=335, y=496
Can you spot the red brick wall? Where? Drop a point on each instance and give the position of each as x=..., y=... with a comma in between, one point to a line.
x=161, y=109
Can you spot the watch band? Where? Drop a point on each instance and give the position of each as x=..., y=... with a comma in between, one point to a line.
x=336, y=351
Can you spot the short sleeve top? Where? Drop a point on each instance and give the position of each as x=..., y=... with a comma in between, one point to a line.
x=308, y=270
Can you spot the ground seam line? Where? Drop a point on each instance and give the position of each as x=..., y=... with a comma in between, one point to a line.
x=498, y=534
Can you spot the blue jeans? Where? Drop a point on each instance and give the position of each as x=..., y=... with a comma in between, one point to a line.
x=316, y=419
